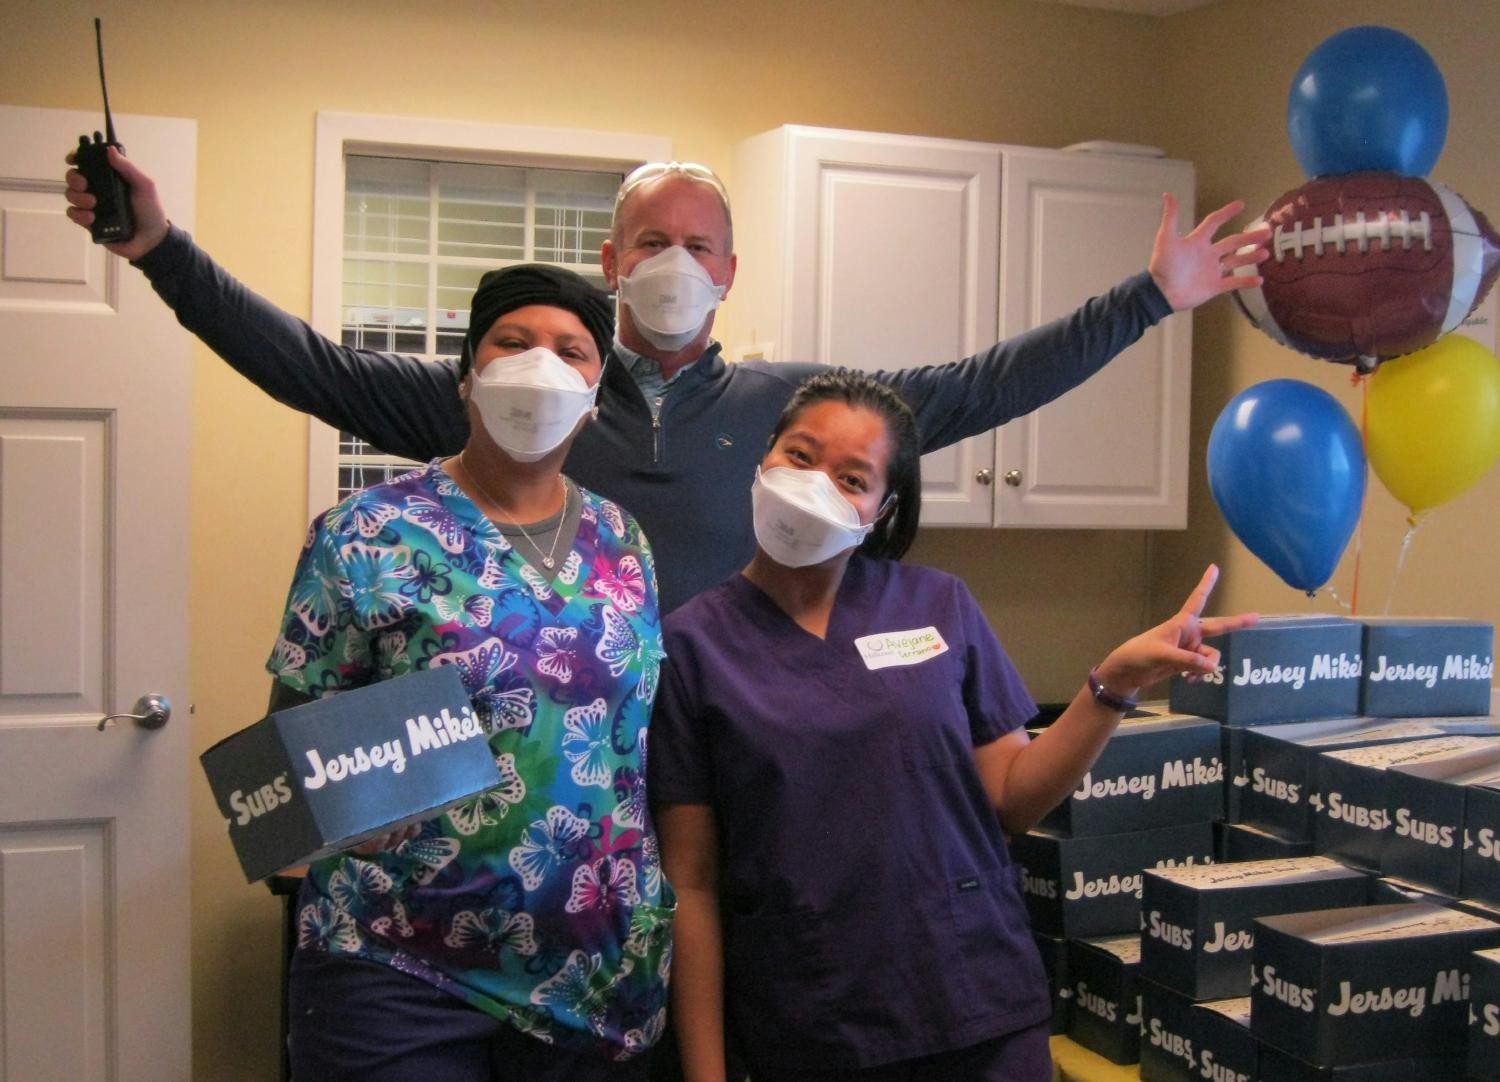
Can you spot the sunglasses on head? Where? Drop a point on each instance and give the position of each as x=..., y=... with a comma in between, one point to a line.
x=652, y=170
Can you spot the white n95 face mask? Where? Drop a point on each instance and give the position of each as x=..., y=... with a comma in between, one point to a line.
x=669, y=296
x=801, y=518
x=530, y=402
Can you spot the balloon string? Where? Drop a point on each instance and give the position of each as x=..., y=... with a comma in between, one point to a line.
x=1413, y=524
x=1361, y=380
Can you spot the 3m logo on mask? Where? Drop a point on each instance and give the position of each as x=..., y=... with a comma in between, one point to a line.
x=670, y=296
x=801, y=518
x=530, y=402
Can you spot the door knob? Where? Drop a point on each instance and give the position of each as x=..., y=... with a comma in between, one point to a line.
x=983, y=476
x=1013, y=478
x=151, y=712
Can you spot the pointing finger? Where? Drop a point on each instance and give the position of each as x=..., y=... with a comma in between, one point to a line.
x=1198, y=599
x=1218, y=625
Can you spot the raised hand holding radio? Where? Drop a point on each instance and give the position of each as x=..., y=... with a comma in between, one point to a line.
x=150, y=218
x=113, y=219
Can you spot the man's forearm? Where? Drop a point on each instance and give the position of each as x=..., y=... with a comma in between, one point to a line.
x=1021, y=374
x=399, y=404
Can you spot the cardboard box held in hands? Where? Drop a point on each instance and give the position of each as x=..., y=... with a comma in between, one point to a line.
x=311, y=780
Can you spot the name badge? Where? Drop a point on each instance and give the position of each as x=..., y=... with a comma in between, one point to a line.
x=900, y=647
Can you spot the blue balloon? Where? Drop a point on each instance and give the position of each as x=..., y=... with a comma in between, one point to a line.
x=1287, y=469
x=1368, y=98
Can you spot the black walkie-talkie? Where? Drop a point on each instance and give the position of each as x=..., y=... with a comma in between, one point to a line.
x=113, y=218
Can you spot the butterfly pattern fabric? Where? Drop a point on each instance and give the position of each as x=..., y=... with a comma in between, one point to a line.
x=540, y=901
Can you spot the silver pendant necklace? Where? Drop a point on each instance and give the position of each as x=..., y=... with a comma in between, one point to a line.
x=547, y=557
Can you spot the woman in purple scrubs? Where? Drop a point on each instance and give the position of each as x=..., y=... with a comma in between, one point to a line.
x=837, y=754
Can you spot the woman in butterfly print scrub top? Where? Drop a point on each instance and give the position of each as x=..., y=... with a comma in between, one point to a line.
x=524, y=934
x=837, y=754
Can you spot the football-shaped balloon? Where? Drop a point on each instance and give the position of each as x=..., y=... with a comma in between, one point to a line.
x=1370, y=265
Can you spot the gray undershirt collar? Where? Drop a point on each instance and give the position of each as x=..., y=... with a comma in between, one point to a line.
x=554, y=534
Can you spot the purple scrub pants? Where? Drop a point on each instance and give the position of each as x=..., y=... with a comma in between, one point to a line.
x=1023, y=1056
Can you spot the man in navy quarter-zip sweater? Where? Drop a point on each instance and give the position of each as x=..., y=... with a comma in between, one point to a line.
x=679, y=432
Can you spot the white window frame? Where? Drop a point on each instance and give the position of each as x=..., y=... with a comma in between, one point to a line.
x=340, y=134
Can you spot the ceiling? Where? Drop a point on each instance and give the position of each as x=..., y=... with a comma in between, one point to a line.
x=1137, y=7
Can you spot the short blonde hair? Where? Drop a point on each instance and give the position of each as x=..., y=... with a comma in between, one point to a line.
x=642, y=174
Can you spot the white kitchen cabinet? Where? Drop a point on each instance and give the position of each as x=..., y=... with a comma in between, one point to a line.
x=873, y=251
x=885, y=251
x=1112, y=452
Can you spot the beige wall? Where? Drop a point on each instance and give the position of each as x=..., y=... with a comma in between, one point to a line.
x=1209, y=86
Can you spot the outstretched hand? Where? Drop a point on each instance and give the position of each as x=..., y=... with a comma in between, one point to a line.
x=1194, y=268
x=150, y=217
x=1175, y=646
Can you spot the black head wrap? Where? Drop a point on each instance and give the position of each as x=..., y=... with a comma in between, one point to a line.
x=505, y=290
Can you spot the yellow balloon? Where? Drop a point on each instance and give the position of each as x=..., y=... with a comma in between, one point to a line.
x=1433, y=425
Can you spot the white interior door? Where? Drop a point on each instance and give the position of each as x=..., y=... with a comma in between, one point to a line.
x=94, y=569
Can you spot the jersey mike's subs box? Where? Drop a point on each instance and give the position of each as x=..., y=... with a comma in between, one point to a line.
x=1274, y=775
x=1081, y=887
x=1197, y=930
x=1484, y=1017
x=1481, y=843
x=1168, y=1051
x=1385, y=890
x=1232, y=740
x=1425, y=668
x=1240, y=841
x=1285, y=668
x=1238, y=773
x=1054, y=952
x=1348, y=793
x=1227, y=1052
x=310, y=780
x=1383, y=982
x=1184, y=1041
x=1426, y=807
x=1268, y=774
x=1274, y=1065
x=1105, y=1014
x=1154, y=771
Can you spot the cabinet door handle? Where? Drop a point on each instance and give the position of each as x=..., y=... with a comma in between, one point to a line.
x=1013, y=478
x=984, y=477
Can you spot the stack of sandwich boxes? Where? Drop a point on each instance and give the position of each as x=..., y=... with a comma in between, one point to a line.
x=1150, y=801
x=1320, y=905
